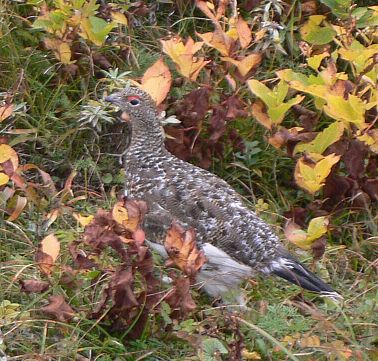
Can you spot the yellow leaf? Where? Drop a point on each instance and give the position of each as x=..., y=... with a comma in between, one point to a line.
x=314, y=61
x=51, y=246
x=157, y=81
x=323, y=140
x=83, y=220
x=317, y=227
x=64, y=52
x=371, y=139
x=310, y=341
x=248, y=355
x=232, y=32
x=339, y=349
x=311, y=177
x=351, y=110
x=246, y=64
x=119, y=18
x=8, y=153
x=3, y=179
x=119, y=213
x=60, y=48
x=5, y=111
x=183, y=56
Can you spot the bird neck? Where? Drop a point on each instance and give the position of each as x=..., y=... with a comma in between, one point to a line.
x=147, y=136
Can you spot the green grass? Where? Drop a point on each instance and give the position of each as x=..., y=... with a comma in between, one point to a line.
x=278, y=325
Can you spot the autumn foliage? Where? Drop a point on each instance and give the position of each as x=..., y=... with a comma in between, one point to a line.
x=297, y=80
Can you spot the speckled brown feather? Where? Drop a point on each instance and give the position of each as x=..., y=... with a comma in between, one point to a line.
x=177, y=190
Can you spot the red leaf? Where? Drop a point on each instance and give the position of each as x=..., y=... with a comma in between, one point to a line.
x=58, y=309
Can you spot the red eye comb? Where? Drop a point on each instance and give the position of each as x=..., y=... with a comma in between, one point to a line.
x=133, y=97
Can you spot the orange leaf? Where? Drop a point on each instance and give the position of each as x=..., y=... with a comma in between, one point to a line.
x=157, y=81
x=129, y=215
x=244, y=32
x=259, y=112
x=51, y=246
x=5, y=111
x=181, y=247
x=119, y=213
x=51, y=217
x=204, y=7
x=218, y=40
x=246, y=64
x=20, y=205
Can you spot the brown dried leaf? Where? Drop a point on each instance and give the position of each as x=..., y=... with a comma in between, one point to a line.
x=34, y=286
x=217, y=123
x=370, y=186
x=44, y=261
x=180, y=298
x=354, y=158
x=182, y=250
x=235, y=108
x=58, y=309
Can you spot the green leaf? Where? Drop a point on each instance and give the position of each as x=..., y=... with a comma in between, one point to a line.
x=281, y=91
x=314, y=61
x=210, y=347
x=323, y=140
x=274, y=99
x=165, y=311
x=277, y=113
x=96, y=29
x=367, y=17
x=263, y=92
x=315, y=34
x=340, y=8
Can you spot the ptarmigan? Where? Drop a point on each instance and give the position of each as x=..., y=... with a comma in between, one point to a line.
x=236, y=242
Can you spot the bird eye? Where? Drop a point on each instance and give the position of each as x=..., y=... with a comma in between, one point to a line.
x=134, y=102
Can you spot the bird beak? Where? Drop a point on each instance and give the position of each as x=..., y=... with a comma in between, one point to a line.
x=114, y=98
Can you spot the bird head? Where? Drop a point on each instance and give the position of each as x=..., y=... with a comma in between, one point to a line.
x=135, y=102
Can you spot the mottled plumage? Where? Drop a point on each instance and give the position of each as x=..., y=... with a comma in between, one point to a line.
x=237, y=243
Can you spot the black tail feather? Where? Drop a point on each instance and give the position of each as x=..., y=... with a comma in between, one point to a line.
x=294, y=272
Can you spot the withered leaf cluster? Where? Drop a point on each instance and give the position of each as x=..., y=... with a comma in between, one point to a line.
x=205, y=128
x=113, y=244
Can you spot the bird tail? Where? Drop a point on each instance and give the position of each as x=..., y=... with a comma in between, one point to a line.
x=294, y=272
